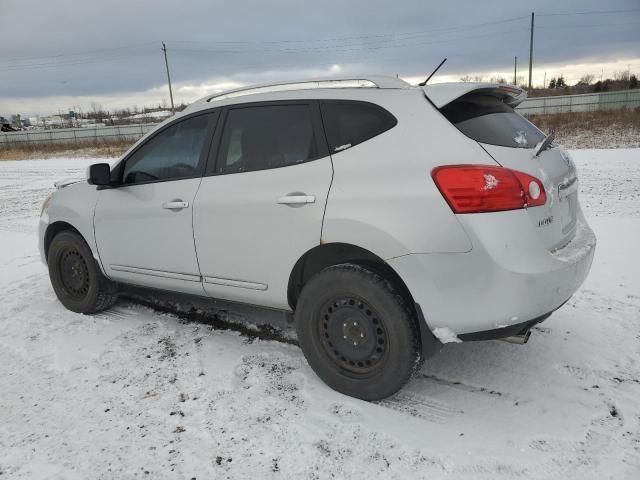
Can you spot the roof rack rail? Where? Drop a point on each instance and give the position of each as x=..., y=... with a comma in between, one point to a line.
x=351, y=82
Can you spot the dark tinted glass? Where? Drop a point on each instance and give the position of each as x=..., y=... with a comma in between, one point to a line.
x=172, y=154
x=258, y=138
x=487, y=120
x=350, y=123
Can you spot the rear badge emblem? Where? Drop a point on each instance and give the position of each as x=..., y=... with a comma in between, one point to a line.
x=545, y=221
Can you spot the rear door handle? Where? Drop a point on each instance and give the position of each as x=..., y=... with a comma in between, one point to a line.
x=175, y=205
x=298, y=199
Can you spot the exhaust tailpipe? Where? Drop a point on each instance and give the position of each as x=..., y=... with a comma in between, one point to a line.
x=520, y=338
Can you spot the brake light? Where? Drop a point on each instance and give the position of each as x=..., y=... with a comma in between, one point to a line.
x=484, y=188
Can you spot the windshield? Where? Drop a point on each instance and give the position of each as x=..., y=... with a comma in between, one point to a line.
x=487, y=120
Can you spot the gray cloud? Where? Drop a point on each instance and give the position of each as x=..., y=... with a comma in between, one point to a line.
x=42, y=52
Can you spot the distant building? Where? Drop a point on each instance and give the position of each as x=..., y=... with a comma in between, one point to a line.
x=5, y=125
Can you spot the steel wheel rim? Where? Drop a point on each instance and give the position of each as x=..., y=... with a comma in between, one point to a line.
x=74, y=273
x=353, y=334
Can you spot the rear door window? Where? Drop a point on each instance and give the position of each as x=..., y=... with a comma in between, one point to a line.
x=266, y=136
x=349, y=123
x=487, y=119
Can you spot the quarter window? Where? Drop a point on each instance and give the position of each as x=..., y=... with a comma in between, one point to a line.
x=263, y=137
x=172, y=154
x=349, y=123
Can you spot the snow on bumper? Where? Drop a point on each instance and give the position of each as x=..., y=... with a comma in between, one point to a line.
x=498, y=283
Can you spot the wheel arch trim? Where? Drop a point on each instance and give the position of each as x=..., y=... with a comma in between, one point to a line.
x=329, y=254
x=59, y=226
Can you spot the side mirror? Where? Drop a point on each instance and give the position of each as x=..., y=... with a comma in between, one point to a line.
x=99, y=174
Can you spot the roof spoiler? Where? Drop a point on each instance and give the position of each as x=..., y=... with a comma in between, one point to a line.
x=442, y=94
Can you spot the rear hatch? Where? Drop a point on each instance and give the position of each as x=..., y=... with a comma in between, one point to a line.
x=485, y=113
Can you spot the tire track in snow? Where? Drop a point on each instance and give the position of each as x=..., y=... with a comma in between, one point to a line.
x=420, y=406
x=466, y=387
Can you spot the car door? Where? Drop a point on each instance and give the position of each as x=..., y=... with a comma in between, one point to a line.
x=261, y=204
x=143, y=225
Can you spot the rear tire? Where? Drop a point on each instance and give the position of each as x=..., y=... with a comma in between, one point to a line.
x=357, y=332
x=76, y=277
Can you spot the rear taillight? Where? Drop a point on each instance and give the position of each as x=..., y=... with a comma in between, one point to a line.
x=482, y=188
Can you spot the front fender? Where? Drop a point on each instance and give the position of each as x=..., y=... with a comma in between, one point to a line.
x=73, y=205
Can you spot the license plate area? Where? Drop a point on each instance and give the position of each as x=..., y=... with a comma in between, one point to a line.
x=568, y=195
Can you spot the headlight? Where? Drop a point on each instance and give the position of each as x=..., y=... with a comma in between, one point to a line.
x=46, y=204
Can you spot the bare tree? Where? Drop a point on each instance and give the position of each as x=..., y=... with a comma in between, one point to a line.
x=96, y=107
x=587, y=79
x=623, y=75
x=498, y=80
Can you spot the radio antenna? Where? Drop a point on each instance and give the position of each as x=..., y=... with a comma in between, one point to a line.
x=422, y=84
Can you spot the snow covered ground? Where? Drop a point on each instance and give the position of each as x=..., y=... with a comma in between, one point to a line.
x=136, y=393
x=613, y=136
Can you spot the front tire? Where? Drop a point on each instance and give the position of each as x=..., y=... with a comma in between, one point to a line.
x=75, y=276
x=357, y=332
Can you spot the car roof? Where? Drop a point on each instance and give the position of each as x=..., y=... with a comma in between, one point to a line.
x=270, y=91
x=440, y=94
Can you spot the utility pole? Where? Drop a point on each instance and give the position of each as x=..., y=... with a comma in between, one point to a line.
x=531, y=50
x=515, y=70
x=166, y=63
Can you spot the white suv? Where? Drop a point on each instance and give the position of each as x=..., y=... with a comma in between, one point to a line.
x=389, y=218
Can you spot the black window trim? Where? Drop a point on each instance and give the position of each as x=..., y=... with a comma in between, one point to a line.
x=358, y=102
x=118, y=169
x=214, y=159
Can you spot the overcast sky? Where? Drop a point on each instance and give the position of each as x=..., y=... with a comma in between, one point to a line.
x=57, y=55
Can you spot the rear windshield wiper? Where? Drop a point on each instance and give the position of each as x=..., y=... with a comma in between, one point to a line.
x=544, y=144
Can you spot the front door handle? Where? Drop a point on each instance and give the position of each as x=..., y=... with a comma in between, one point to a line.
x=296, y=199
x=175, y=205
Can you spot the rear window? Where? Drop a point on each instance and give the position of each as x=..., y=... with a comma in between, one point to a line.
x=349, y=123
x=487, y=120
x=267, y=136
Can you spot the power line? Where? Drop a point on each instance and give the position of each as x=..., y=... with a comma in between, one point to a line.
x=66, y=63
x=372, y=43
x=390, y=36
x=399, y=43
x=357, y=47
x=334, y=39
x=376, y=41
x=90, y=52
x=593, y=25
x=600, y=12
x=358, y=37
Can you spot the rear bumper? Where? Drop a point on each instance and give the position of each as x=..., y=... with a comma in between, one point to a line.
x=499, y=283
x=504, y=332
